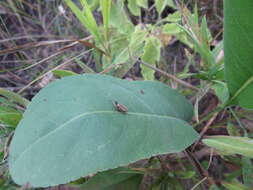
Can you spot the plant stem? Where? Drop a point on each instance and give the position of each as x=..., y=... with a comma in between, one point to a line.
x=208, y=116
x=179, y=81
x=239, y=122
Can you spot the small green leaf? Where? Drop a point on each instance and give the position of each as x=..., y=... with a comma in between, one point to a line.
x=160, y=4
x=235, y=186
x=221, y=91
x=86, y=18
x=14, y=97
x=119, y=19
x=232, y=129
x=9, y=116
x=232, y=145
x=247, y=171
x=134, y=8
x=206, y=37
x=199, y=35
x=142, y=3
x=171, y=4
x=92, y=24
x=134, y=49
x=218, y=52
x=93, y=4
x=185, y=174
x=174, y=17
x=63, y=73
x=214, y=187
x=172, y=29
x=106, y=9
x=119, y=178
x=151, y=55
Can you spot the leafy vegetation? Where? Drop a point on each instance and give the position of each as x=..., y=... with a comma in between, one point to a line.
x=118, y=117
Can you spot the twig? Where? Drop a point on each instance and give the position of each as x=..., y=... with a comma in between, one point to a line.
x=203, y=131
x=179, y=81
x=209, y=115
x=211, y=158
x=239, y=122
x=198, y=168
x=201, y=181
x=202, y=172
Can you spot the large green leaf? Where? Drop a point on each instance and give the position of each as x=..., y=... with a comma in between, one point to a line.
x=238, y=48
x=72, y=129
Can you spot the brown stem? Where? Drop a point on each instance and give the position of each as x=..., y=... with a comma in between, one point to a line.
x=174, y=78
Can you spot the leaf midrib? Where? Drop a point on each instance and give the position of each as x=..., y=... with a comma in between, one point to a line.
x=243, y=87
x=82, y=115
x=224, y=144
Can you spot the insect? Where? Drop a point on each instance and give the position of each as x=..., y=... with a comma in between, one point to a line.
x=120, y=107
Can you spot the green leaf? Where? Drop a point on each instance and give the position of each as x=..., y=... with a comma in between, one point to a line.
x=72, y=128
x=137, y=40
x=178, y=31
x=118, y=49
x=151, y=55
x=185, y=174
x=86, y=18
x=14, y=97
x=119, y=19
x=128, y=56
x=142, y=3
x=214, y=187
x=221, y=91
x=92, y=24
x=174, y=17
x=134, y=8
x=171, y=4
x=247, y=171
x=63, y=73
x=218, y=52
x=232, y=145
x=127, y=53
x=160, y=4
x=172, y=29
x=9, y=116
x=235, y=186
x=119, y=178
x=106, y=9
x=199, y=35
x=232, y=129
x=93, y=4
x=238, y=48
